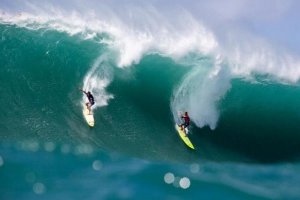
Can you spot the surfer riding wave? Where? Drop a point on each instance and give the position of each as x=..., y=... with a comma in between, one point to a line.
x=90, y=99
x=186, y=122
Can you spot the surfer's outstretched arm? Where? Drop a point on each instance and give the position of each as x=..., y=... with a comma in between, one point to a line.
x=82, y=90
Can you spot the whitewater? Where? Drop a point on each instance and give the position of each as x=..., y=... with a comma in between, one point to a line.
x=145, y=63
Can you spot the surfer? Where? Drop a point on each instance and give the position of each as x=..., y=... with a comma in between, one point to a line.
x=90, y=98
x=186, y=122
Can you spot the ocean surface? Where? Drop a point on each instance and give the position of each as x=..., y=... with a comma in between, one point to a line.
x=244, y=107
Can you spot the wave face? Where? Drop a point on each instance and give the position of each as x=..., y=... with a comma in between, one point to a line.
x=42, y=71
x=146, y=65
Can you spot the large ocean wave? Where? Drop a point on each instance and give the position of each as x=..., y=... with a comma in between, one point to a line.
x=233, y=65
x=145, y=64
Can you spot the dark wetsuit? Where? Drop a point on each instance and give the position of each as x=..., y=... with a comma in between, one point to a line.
x=91, y=98
x=186, y=121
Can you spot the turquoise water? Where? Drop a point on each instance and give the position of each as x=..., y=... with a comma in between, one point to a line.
x=48, y=152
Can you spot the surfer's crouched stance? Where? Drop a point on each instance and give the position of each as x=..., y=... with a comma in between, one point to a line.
x=186, y=122
x=90, y=98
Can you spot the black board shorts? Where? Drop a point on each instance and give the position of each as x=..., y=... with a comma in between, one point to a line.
x=185, y=124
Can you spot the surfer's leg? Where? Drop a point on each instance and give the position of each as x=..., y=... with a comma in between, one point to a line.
x=88, y=105
x=181, y=126
x=185, y=125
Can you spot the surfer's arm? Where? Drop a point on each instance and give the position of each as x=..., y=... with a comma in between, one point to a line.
x=82, y=91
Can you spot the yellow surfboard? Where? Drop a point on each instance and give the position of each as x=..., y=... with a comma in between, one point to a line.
x=184, y=137
x=89, y=117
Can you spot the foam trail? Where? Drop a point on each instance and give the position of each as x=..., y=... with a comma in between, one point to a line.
x=200, y=92
x=96, y=81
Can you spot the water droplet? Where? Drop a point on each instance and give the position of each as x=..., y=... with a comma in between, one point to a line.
x=49, y=146
x=97, y=165
x=1, y=161
x=84, y=149
x=39, y=188
x=184, y=182
x=169, y=178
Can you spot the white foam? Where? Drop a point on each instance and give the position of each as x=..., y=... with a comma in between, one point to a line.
x=246, y=61
x=96, y=81
x=200, y=92
x=134, y=32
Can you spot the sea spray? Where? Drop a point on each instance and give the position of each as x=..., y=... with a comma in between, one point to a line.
x=200, y=91
x=97, y=79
